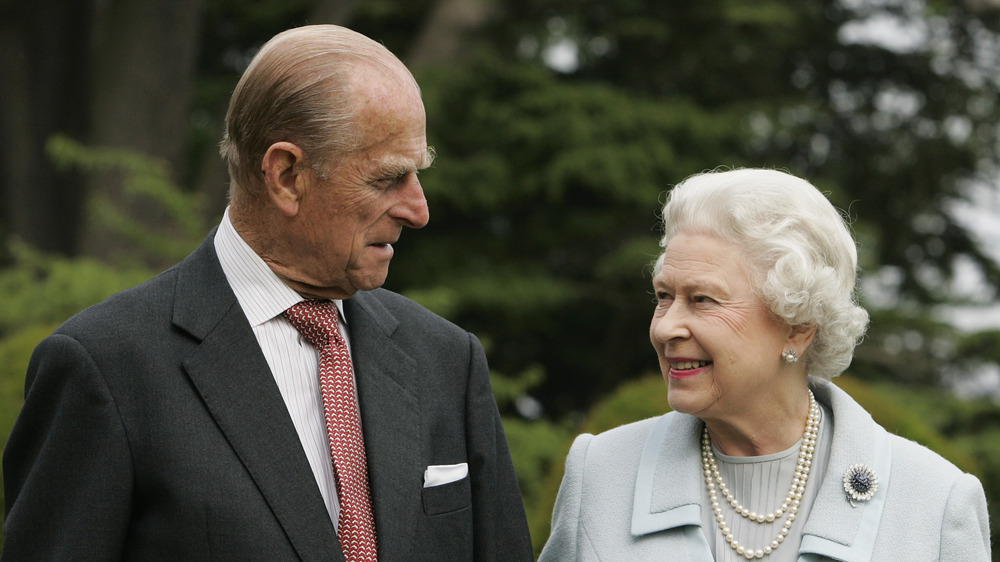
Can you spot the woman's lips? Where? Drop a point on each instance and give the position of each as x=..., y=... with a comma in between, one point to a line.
x=687, y=368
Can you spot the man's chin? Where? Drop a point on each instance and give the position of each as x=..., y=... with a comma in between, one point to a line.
x=369, y=281
x=342, y=287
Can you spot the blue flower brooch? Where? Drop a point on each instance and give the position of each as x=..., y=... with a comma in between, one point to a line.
x=860, y=483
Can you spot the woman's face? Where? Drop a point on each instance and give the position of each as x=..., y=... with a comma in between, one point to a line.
x=719, y=346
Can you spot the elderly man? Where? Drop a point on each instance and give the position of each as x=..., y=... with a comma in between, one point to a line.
x=264, y=399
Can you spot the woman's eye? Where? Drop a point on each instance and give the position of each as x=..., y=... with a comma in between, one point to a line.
x=702, y=299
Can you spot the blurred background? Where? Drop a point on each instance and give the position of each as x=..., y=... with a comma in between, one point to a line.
x=559, y=126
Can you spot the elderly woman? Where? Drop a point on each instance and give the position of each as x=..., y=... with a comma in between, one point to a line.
x=762, y=457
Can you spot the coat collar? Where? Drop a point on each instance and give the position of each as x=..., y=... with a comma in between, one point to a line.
x=668, y=490
x=835, y=528
x=231, y=375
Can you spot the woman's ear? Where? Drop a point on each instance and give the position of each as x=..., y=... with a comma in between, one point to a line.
x=285, y=176
x=800, y=337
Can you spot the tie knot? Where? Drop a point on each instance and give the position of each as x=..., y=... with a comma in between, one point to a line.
x=316, y=320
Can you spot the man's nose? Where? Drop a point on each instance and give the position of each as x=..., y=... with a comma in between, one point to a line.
x=412, y=208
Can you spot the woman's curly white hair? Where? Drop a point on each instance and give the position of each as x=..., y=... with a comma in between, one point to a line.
x=802, y=256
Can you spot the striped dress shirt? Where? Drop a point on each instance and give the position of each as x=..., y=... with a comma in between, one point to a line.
x=294, y=362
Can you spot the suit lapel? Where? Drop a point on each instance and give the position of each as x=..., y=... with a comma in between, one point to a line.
x=390, y=417
x=232, y=376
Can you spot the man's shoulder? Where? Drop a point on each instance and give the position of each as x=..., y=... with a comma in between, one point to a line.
x=141, y=302
x=408, y=312
x=394, y=301
x=137, y=312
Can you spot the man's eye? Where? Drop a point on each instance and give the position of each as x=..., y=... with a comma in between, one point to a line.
x=386, y=183
x=391, y=182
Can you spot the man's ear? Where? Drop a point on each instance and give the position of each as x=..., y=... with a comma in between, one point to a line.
x=285, y=176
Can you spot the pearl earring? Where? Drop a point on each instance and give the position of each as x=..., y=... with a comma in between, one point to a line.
x=790, y=356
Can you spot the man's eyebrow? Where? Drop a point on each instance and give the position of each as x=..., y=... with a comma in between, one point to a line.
x=393, y=167
x=429, y=156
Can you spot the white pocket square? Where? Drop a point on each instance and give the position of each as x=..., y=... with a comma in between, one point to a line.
x=438, y=474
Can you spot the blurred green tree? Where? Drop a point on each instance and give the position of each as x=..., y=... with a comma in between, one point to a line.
x=889, y=106
x=559, y=124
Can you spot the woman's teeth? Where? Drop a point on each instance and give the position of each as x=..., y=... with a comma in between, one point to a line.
x=688, y=365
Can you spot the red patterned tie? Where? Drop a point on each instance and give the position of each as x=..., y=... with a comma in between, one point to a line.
x=317, y=322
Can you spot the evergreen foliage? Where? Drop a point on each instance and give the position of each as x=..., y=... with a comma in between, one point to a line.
x=146, y=181
x=544, y=203
x=15, y=351
x=42, y=289
x=557, y=132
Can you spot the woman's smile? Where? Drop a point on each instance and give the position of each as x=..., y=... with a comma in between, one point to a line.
x=682, y=368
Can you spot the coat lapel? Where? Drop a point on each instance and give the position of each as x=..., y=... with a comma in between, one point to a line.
x=667, y=489
x=668, y=484
x=835, y=528
x=232, y=376
x=390, y=418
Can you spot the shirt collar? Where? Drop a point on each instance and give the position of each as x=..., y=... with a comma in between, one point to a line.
x=260, y=292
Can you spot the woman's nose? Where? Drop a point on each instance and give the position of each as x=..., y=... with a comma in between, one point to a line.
x=670, y=325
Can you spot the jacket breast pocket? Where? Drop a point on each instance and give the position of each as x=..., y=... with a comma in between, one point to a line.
x=447, y=498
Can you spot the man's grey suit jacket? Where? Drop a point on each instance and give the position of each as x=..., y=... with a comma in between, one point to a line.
x=153, y=429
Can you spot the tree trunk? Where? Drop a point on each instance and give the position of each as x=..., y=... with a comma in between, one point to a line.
x=446, y=33
x=337, y=12
x=43, y=64
x=144, y=67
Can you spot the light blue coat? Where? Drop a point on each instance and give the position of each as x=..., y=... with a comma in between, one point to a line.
x=634, y=493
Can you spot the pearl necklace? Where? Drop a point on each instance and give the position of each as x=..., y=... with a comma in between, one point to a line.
x=792, y=500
